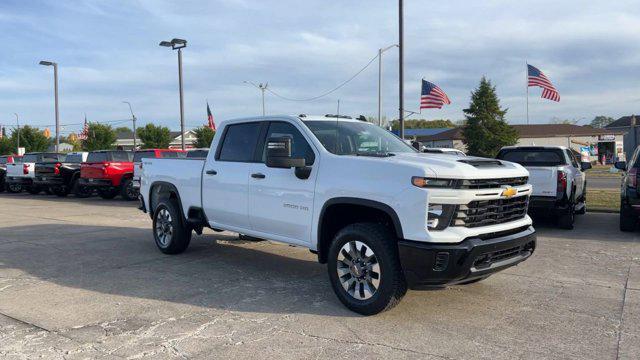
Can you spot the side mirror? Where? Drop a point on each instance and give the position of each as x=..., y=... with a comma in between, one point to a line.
x=585, y=165
x=621, y=165
x=279, y=154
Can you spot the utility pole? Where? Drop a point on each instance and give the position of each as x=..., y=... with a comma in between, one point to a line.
x=55, y=92
x=401, y=66
x=133, y=119
x=178, y=44
x=262, y=87
x=380, y=51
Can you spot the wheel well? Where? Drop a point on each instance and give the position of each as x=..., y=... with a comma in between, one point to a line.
x=335, y=217
x=160, y=191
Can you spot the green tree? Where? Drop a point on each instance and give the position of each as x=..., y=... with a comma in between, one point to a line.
x=100, y=137
x=423, y=124
x=124, y=130
x=601, y=121
x=31, y=139
x=487, y=131
x=6, y=146
x=204, y=136
x=154, y=137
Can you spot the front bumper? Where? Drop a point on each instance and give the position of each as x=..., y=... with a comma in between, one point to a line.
x=93, y=182
x=476, y=257
x=27, y=181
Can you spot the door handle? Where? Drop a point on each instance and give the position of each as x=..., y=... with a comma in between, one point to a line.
x=258, y=176
x=211, y=172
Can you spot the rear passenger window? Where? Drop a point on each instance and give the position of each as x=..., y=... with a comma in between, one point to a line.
x=301, y=148
x=139, y=155
x=240, y=142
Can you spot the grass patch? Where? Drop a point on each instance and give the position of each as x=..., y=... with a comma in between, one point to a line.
x=602, y=171
x=603, y=199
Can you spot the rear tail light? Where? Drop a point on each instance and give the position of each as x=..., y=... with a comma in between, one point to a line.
x=56, y=169
x=562, y=183
x=25, y=169
x=633, y=178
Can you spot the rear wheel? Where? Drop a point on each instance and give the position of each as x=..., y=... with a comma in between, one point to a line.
x=127, y=190
x=108, y=193
x=364, y=268
x=80, y=191
x=628, y=220
x=14, y=188
x=567, y=217
x=169, y=231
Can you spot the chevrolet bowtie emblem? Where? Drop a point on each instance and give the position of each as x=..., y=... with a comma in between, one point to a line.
x=509, y=192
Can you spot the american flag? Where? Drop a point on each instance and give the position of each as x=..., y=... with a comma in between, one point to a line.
x=211, y=124
x=537, y=78
x=85, y=131
x=432, y=96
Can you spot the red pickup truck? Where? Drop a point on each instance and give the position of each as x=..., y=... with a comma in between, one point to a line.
x=110, y=172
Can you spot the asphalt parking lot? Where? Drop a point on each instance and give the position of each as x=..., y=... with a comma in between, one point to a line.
x=83, y=279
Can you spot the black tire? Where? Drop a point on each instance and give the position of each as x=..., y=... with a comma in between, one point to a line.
x=567, y=217
x=34, y=190
x=169, y=231
x=127, y=191
x=80, y=191
x=469, y=282
x=60, y=191
x=392, y=285
x=14, y=188
x=3, y=186
x=108, y=193
x=628, y=220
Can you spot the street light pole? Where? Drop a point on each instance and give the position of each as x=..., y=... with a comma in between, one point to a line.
x=179, y=44
x=133, y=119
x=262, y=87
x=380, y=51
x=55, y=94
x=401, y=66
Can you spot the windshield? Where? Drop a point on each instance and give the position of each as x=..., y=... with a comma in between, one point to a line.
x=357, y=138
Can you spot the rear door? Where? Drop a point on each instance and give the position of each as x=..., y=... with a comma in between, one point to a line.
x=225, y=181
x=280, y=203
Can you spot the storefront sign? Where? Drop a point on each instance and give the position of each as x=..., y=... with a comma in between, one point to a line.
x=607, y=137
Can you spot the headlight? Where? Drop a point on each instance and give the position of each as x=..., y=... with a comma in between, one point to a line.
x=439, y=216
x=425, y=182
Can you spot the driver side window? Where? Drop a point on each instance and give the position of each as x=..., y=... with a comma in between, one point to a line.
x=300, y=148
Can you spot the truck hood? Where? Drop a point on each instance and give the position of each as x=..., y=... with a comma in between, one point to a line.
x=459, y=167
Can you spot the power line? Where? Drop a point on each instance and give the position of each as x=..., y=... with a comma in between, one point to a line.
x=330, y=91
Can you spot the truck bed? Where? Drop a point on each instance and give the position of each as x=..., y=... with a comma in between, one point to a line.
x=184, y=173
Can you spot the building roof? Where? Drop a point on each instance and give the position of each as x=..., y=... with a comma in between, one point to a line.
x=421, y=132
x=534, y=131
x=624, y=121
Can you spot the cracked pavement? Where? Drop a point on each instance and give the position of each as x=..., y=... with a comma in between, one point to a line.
x=82, y=278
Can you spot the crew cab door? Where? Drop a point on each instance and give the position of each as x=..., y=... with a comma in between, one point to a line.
x=281, y=204
x=225, y=180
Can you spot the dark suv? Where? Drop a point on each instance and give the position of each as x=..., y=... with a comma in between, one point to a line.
x=629, y=193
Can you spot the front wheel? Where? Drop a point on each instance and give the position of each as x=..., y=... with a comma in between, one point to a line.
x=169, y=232
x=364, y=268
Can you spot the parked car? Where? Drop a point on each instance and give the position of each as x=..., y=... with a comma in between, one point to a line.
x=629, y=194
x=382, y=217
x=445, y=151
x=197, y=153
x=558, y=179
x=110, y=173
x=63, y=177
x=149, y=154
x=4, y=160
x=20, y=176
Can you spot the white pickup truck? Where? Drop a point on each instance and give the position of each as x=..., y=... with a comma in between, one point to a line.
x=383, y=216
x=20, y=176
x=558, y=179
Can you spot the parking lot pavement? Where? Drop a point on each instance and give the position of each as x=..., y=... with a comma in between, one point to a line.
x=82, y=278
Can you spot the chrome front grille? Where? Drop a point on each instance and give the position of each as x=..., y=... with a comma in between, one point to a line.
x=490, y=212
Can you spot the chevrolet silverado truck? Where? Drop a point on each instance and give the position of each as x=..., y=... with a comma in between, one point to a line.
x=21, y=175
x=382, y=216
x=558, y=180
x=4, y=160
x=63, y=177
x=110, y=172
x=145, y=154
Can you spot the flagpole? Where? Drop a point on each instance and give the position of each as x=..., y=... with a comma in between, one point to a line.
x=526, y=84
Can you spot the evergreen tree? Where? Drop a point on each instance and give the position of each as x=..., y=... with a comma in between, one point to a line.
x=486, y=130
x=154, y=137
x=100, y=137
x=204, y=136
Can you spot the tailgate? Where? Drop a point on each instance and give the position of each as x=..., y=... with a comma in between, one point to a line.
x=544, y=180
x=45, y=169
x=92, y=170
x=17, y=170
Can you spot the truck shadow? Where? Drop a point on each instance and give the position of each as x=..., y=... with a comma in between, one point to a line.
x=93, y=200
x=590, y=226
x=214, y=272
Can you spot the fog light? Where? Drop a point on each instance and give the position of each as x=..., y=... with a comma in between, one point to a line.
x=439, y=216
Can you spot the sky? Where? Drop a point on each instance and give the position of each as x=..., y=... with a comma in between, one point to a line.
x=108, y=52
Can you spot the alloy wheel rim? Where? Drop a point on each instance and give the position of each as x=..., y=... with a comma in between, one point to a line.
x=358, y=270
x=164, y=228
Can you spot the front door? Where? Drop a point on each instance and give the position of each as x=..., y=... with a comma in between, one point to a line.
x=225, y=181
x=281, y=204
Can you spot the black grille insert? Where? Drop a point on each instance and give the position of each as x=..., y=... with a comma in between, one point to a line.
x=485, y=260
x=493, y=183
x=490, y=212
